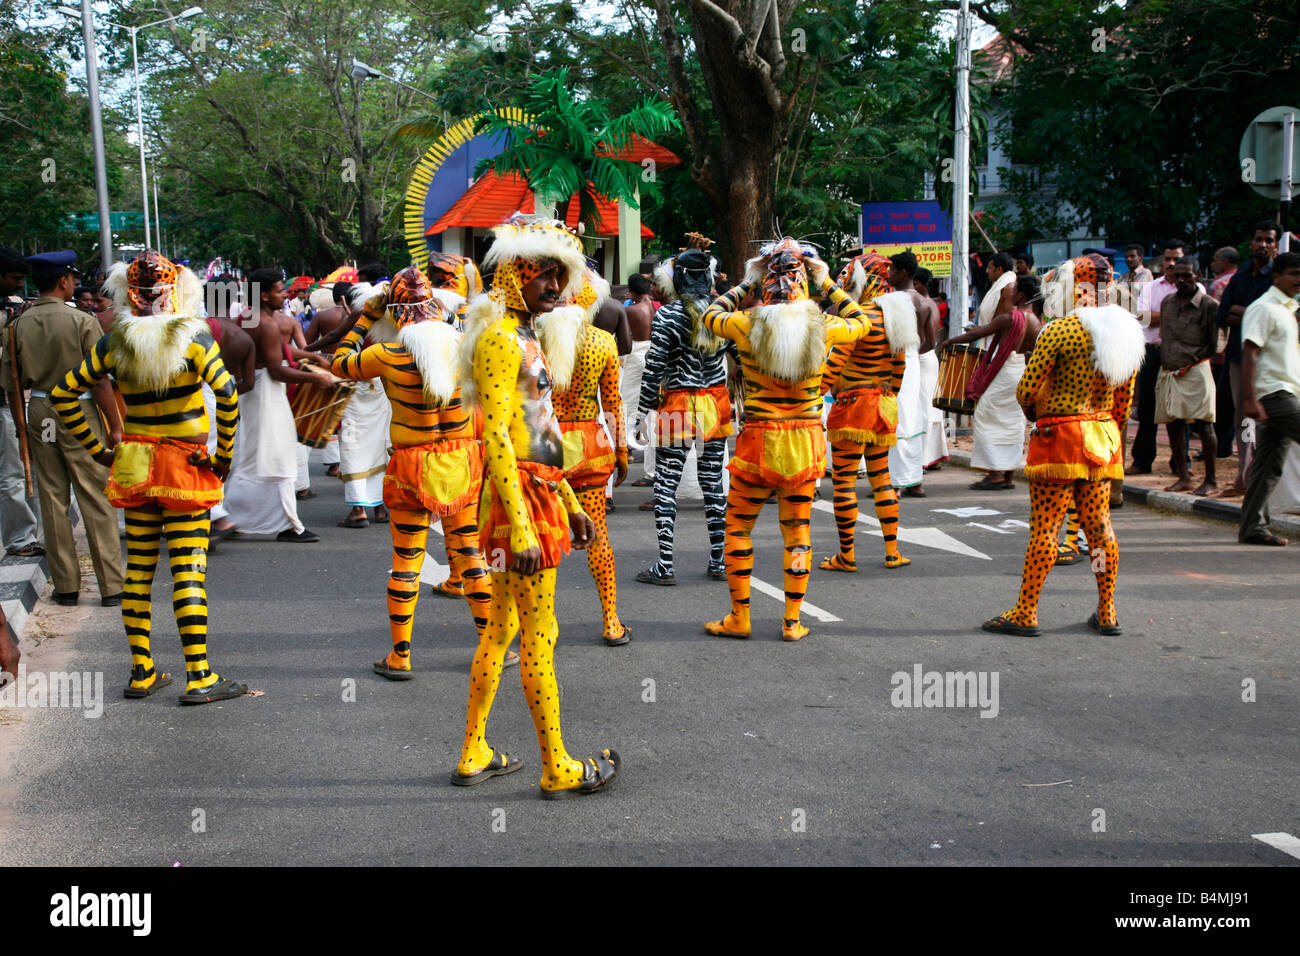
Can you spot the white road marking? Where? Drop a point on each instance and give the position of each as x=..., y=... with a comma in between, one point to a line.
x=812, y=610
x=971, y=512
x=1280, y=841
x=926, y=537
x=988, y=527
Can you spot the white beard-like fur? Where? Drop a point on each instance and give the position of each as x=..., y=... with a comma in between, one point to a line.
x=900, y=320
x=702, y=339
x=1118, y=345
x=561, y=332
x=450, y=300
x=435, y=348
x=482, y=313
x=788, y=340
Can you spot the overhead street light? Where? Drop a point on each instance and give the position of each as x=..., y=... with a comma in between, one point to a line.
x=87, y=23
x=364, y=71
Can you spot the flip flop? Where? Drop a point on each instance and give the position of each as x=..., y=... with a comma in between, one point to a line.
x=500, y=764
x=625, y=638
x=160, y=681
x=597, y=773
x=1000, y=625
x=392, y=673
x=224, y=689
x=511, y=659
x=914, y=492
x=1109, y=630
x=1066, y=555
x=305, y=495
x=985, y=485
x=381, y=520
x=1266, y=538
x=354, y=523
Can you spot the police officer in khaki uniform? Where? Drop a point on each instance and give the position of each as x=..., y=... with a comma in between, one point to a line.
x=53, y=338
x=20, y=514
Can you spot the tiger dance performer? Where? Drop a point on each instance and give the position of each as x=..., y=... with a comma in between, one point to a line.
x=782, y=345
x=865, y=378
x=1078, y=384
x=527, y=509
x=689, y=363
x=585, y=373
x=160, y=351
x=436, y=467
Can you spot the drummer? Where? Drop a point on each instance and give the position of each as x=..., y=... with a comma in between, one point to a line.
x=999, y=428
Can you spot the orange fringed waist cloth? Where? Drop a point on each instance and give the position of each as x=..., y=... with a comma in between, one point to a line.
x=1066, y=448
x=148, y=470
x=589, y=457
x=546, y=514
x=690, y=413
x=780, y=454
x=442, y=477
x=866, y=413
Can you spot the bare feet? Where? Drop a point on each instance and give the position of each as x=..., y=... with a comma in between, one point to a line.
x=1233, y=492
x=1206, y=490
x=729, y=626
x=1182, y=484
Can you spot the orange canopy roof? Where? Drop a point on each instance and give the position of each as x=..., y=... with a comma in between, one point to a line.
x=492, y=199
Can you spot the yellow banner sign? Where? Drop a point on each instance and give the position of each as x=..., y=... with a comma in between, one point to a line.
x=935, y=256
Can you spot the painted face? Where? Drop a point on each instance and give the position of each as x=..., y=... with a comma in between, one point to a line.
x=151, y=283
x=447, y=271
x=881, y=275
x=1092, y=281
x=541, y=293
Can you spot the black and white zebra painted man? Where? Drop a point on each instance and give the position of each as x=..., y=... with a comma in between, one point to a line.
x=685, y=383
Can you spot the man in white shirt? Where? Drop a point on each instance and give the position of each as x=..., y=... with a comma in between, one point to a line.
x=1270, y=386
x=1153, y=294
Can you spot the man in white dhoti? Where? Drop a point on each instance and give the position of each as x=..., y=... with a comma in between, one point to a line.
x=999, y=426
x=936, y=438
x=907, y=456
x=260, y=491
x=363, y=433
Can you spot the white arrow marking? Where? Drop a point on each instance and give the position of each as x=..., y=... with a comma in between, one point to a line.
x=812, y=610
x=987, y=527
x=926, y=537
x=972, y=512
x=1013, y=523
x=433, y=572
x=1280, y=841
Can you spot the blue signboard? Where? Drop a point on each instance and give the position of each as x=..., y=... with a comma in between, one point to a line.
x=905, y=223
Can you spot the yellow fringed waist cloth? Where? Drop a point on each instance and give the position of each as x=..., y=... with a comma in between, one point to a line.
x=589, y=458
x=780, y=454
x=150, y=470
x=689, y=413
x=1065, y=448
x=546, y=515
x=442, y=477
x=864, y=413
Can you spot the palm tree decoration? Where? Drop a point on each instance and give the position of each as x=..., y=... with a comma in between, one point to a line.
x=564, y=145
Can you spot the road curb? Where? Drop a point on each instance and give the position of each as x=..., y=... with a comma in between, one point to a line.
x=1214, y=508
x=21, y=582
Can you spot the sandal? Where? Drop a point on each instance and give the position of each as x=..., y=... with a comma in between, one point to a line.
x=651, y=576
x=915, y=491
x=224, y=689
x=392, y=673
x=354, y=523
x=716, y=574
x=160, y=681
x=643, y=483
x=305, y=495
x=985, y=485
x=1266, y=538
x=381, y=519
x=32, y=550
x=511, y=660
x=1109, y=630
x=1067, y=555
x=1001, y=625
x=624, y=638
x=597, y=773
x=837, y=562
x=500, y=764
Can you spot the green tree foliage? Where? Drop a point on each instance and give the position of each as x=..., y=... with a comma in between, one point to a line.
x=1136, y=111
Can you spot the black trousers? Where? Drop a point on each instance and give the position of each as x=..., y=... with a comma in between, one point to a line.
x=1144, y=443
x=1272, y=439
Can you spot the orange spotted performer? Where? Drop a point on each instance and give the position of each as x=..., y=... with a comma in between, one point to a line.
x=528, y=509
x=436, y=467
x=585, y=371
x=1078, y=387
x=782, y=344
x=161, y=351
x=864, y=378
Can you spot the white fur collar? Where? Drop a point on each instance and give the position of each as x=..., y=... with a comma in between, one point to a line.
x=150, y=349
x=434, y=346
x=788, y=339
x=900, y=320
x=1118, y=345
x=561, y=333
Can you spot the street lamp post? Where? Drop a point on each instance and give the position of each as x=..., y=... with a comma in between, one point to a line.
x=96, y=131
x=139, y=109
x=363, y=71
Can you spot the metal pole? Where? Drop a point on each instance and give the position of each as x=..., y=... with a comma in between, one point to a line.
x=139, y=132
x=157, y=223
x=958, y=307
x=97, y=138
x=1288, y=145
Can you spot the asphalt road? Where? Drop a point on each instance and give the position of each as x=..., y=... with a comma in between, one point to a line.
x=736, y=752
